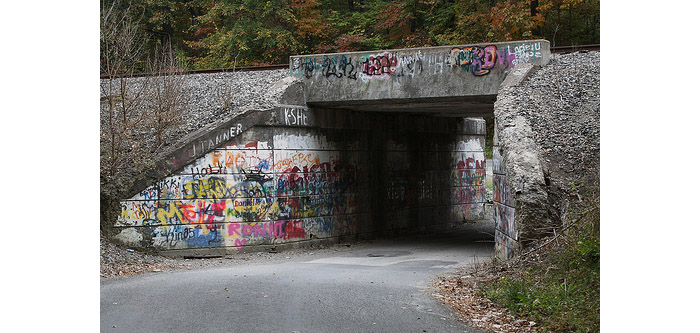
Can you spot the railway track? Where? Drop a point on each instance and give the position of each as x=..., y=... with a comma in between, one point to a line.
x=575, y=48
x=557, y=49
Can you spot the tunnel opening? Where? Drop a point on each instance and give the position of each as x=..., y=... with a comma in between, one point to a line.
x=426, y=163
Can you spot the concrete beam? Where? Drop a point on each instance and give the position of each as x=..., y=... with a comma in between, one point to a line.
x=440, y=75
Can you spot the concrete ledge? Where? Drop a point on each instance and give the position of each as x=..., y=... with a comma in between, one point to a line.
x=200, y=143
x=519, y=74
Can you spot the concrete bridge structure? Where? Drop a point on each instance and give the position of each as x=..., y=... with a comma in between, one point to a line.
x=358, y=145
x=442, y=81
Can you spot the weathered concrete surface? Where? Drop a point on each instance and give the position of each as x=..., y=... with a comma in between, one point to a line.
x=442, y=80
x=519, y=74
x=520, y=196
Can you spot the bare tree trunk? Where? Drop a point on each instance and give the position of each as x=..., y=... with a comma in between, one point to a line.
x=121, y=117
x=166, y=93
x=137, y=115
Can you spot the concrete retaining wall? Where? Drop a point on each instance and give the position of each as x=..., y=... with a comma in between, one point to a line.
x=518, y=184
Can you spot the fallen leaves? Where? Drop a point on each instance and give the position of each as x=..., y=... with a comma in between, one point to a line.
x=117, y=261
x=461, y=293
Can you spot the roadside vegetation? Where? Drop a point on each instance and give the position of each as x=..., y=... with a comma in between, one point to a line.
x=561, y=291
x=552, y=287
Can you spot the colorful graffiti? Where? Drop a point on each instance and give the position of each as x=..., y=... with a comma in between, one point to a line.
x=295, y=181
x=469, y=160
x=501, y=190
x=481, y=60
x=468, y=194
x=503, y=211
x=468, y=191
x=468, y=177
x=369, y=66
x=238, y=235
x=469, y=169
x=478, y=60
x=236, y=196
x=504, y=217
x=255, y=158
x=380, y=64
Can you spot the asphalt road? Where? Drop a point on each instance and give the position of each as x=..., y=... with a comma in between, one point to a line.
x=382, y=286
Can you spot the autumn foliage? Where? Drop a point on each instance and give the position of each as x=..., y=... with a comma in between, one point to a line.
x=215, y=34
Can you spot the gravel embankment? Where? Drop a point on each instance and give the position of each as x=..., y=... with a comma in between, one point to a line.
x=207, y=99
x=560, y=104
x=567, y=118
x=561, y=101
x=205, y=94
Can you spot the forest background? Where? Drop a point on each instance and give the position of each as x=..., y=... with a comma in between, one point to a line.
x=208, y=34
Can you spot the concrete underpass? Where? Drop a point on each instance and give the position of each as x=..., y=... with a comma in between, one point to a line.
x=359, y=145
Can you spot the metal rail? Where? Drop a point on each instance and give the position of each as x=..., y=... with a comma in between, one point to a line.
x=557, y=49
x=206, y=71
x=575, y=48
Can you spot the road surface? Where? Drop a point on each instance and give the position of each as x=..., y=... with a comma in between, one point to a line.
x=379, y=286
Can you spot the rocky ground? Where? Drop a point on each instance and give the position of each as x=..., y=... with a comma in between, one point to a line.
x=561, y=103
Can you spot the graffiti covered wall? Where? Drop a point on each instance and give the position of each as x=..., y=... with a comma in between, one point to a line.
x=503, y=208
x=433, y=72
x=249, y=192
x=314, y=177
x=477, y=60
